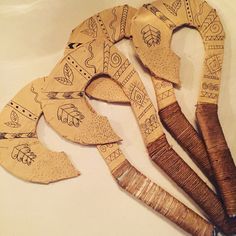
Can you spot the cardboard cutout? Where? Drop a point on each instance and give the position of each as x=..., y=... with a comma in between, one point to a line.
x=61, y=97
x=157, y=55
x=65, y=108
x=195, y=146
x=159, y=150
x=22, y=154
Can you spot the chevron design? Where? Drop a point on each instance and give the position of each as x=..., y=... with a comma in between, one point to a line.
x=214, y=38
x=174, y=7
x=113, y=155
x=209, y=95
x=165, y=95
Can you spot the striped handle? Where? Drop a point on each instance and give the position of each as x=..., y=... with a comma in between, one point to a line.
x=168, y=160
x=220, y=156
x=142, y=188
x=159, y=200
x=183, y=132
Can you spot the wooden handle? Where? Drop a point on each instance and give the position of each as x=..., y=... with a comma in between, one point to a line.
x=169, y=161
x=142, y=188
x=220, y=156
x=183, y=132
x=131, y=180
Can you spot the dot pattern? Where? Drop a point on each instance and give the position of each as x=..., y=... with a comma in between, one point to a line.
x=79, y=68
x=103, y=27
x=23, y=111
x=189, y=11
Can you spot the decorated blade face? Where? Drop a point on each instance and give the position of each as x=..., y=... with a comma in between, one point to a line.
x=111, y=24
x=21, y=152
x=85, y=63
x=151, y=38
x=152, y=29
x=69, y=113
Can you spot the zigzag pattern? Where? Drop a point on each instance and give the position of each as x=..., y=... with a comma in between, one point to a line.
x=114, y=155
x=209, y=95
x=165, y=95
x=214, y=38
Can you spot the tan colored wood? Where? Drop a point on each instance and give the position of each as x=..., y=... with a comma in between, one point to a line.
x=26, y=158
x=67, y=111
x=112, y=24
x=96, y=58
x=86, y=62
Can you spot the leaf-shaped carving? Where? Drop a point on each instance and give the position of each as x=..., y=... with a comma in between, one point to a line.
x=14, y=123
x=14, y=117
x=68, y=73
x=151, y=35
x=92, y=28
x=23, y=153
x=70, y=115
x=69, y=76
x=174, y=7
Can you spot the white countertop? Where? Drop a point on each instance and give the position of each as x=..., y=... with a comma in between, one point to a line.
x=33, y=37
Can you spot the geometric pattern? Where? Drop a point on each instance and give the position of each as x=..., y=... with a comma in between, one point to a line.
x=113, y=155
x=150, y=125
x=209, y=95
x=213, y=64
x=165, y=95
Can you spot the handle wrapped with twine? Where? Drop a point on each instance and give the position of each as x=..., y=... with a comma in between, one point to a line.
x=142, y=188
x=217, y=148
x=164, y=64
x=125, y=75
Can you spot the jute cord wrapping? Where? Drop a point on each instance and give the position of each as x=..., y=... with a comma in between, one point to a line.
x=169, y=161
x=180, y=128
x=220, y=156
x=204, y=18
x=139, y=186
x=199, y=151
x=130, y=179
x=159, y=200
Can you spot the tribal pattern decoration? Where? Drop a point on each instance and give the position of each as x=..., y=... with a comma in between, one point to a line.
x=61, y=98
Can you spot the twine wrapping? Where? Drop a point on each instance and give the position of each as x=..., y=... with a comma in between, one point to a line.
x=183, y=132
x=220, y=156
x=159, y=200
x=169, y=161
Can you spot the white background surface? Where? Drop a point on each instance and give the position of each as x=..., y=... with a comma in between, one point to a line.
x=33, y=36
